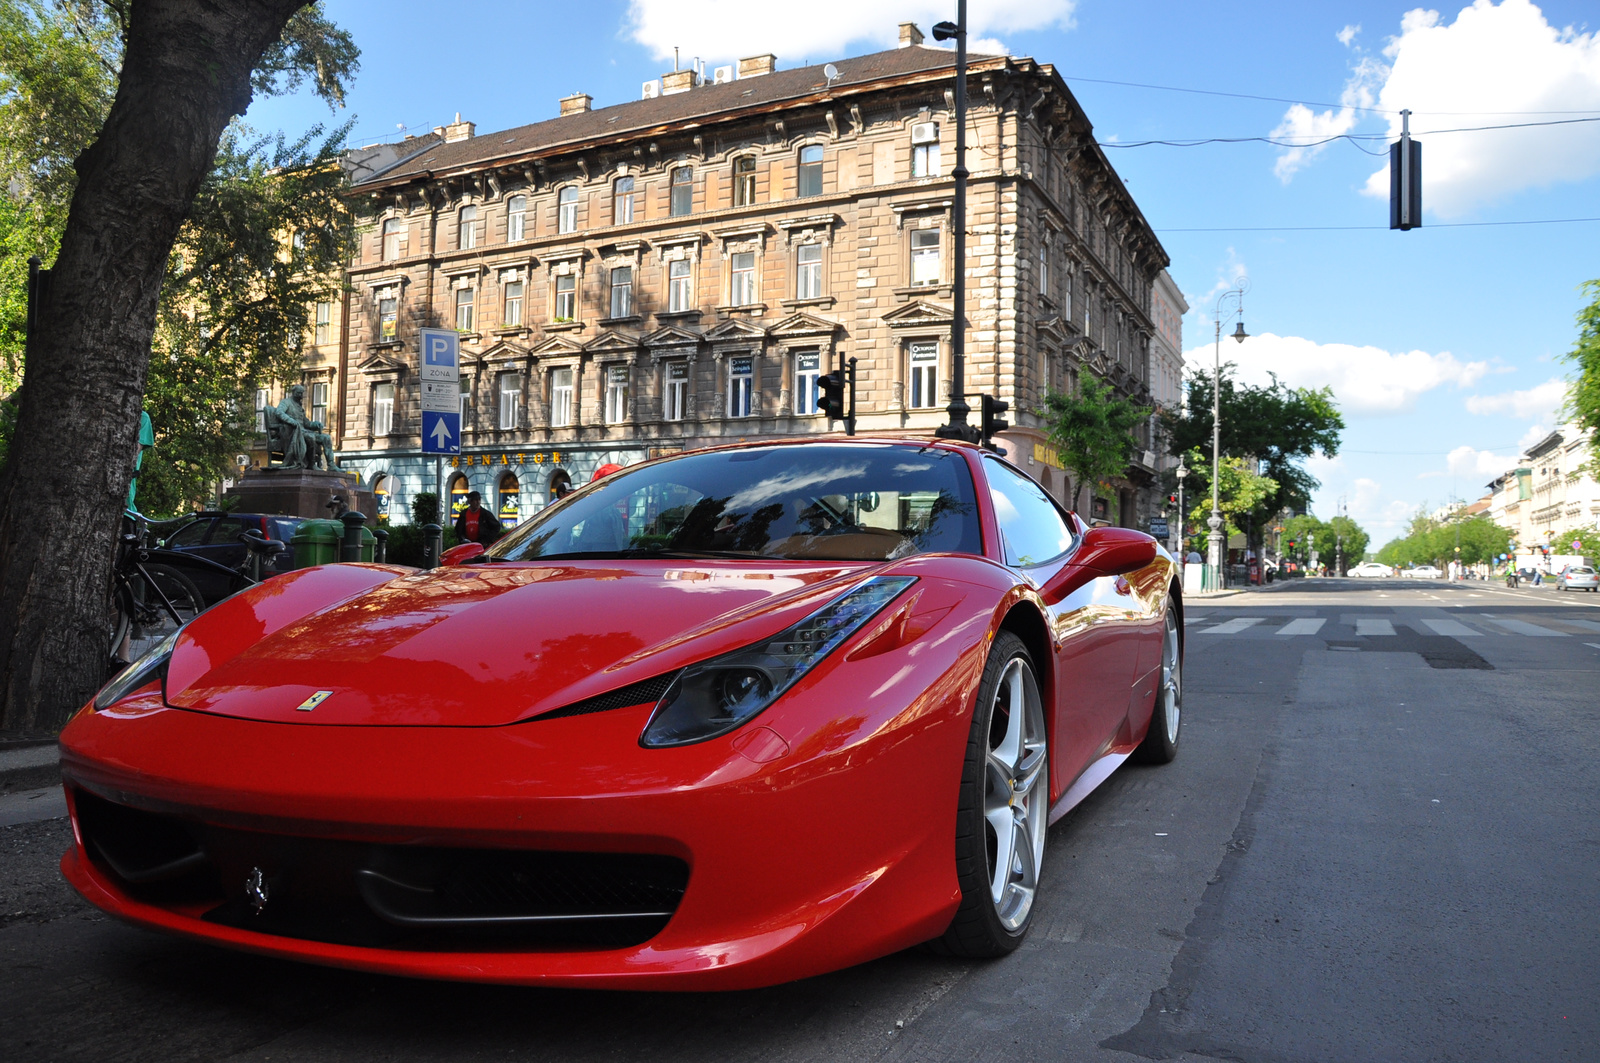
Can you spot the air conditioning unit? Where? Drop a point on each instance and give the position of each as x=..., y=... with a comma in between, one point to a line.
x=722, y=75
x=925, y=133
x=651, y=90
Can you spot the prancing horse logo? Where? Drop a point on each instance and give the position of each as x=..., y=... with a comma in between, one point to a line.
x=314, y=700
x=255, y=889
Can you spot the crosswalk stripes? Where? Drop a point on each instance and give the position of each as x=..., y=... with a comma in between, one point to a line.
x=1305, y=625
x=1233, y=627
x=1453, y=628
x=1583, y=625
x=1522, y=627
x=1373, y=625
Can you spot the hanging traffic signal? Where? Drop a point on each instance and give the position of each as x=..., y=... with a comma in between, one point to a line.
x=830, y=395
x=1405, y=179
x=993, y=423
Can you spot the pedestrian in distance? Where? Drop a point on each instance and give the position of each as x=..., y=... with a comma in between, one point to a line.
x=476, y=524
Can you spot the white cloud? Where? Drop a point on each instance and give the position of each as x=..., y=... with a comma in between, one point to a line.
x=1469, y=461
x=1539, y=402
x=1534, y=433
x=1301, y=123
x=1348, y=34
x=1365, y=380
x=1491, y=59
x=721, y=29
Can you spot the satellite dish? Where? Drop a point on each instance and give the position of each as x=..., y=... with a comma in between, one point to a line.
x=830, y=72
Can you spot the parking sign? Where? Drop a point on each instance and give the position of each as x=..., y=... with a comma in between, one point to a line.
x=439, y=374
x=441, y=355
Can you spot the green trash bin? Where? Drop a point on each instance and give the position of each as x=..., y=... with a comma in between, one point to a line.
x=316, y=542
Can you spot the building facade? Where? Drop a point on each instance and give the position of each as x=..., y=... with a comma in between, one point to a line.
x=1548, y=491
x=678, y=271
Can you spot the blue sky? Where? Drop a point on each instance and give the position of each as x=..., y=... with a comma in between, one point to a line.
x=1442, y=344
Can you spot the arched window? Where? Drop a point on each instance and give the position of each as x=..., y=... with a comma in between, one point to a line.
x=560, y=484
x=567, y=210
x=510, y=499
x=622, y=201
x=458, y=495
x=516, y=215
x=682, y=191
x=810, y=183
x=380, y=494
x=744, y=180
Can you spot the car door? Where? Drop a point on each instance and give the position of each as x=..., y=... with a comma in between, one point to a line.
x=1096, y=647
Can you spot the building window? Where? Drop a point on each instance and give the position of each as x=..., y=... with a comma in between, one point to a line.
x=567, y=210
x=467, y=233
x=924, y=375
x=616, y=394
x=807, y=368
x=513, y=294
x=466, y=400
x=382, y=409
x=677, y=392
x=388, y=314
x=464, y=309
x=1066, y=294
x=566, y=297
x=925, y=266
x=925, y=160
x=319, y=401
x=1044, y=269
x=680, y=292
x=622, y=201
x=682, y=191
x=510, y=404
x=742, y=283
x=263, y=400
x=622, y=291
x=810, y=182
x=324, y=322
x=561, y=398
x=808, y=273
x=744, y=180
x=510, y=499
x=741, y=381
x=392, y=230
x=516, y=216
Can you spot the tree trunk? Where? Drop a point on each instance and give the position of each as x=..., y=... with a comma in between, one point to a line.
x=185, y=73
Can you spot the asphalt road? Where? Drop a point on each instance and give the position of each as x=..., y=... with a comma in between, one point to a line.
x=1380, y=841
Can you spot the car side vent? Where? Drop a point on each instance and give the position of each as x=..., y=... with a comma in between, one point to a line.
x=642, y=692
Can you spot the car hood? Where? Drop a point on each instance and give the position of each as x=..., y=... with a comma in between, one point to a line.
x=481, y=645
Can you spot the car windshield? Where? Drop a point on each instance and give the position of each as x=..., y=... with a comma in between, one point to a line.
x=840, y=502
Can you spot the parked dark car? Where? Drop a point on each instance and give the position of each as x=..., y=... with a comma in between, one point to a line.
x=215, y=537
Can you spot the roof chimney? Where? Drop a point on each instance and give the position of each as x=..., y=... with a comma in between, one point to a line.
x=677, y=81
x=458, y=130
x=756, y=65
x=577, y=103
x=909, y=34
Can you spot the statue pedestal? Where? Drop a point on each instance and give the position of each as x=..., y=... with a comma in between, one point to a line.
x=301, y=493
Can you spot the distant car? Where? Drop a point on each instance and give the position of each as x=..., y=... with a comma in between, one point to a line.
x=1424, y=572
x=215, y=537
x=1371, y=570
x=1577, y=578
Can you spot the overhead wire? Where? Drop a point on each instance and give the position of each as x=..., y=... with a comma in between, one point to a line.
x=1303, y=103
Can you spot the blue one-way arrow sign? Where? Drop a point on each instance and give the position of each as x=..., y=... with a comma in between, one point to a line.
x=441, y=432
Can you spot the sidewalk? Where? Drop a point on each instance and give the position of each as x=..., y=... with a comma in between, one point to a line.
x=29, y=767
x=1275, y=585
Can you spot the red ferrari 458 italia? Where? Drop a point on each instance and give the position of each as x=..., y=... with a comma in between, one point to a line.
x=719, y=720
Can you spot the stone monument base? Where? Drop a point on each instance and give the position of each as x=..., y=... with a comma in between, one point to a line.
x=301, y=493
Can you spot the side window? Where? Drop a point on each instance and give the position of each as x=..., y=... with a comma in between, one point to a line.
x=1033, y=528
x=226, y=531
x=191, y=534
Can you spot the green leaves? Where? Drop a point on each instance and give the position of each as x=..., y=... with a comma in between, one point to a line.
x=1434, y=542
x=1583, y=402
x=1093, y=430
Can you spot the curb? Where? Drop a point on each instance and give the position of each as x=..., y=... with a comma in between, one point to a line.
x=30, y=767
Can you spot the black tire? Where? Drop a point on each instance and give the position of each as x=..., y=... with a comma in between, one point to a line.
x=1160, y=743
x=120, y=621
x=979, y=929
x=151, y=621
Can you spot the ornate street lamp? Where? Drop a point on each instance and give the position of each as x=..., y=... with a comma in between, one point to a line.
x=1215, y=551
x=957, y=427
x=1183, y=518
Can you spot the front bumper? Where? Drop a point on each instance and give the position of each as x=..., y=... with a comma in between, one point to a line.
x=815, y=838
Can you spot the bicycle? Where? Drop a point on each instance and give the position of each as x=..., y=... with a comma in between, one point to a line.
x=149, y=600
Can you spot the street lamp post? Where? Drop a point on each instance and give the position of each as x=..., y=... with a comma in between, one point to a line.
x=957, y=427
x=1183, y=522
x=1215, y=552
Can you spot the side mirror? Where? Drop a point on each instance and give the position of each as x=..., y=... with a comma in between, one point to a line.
x=1103, y=552
x=458, y=555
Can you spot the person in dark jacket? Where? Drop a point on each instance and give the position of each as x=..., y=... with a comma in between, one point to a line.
x=476, y=524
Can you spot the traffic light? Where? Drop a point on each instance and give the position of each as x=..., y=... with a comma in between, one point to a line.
x=1291, y=544
x=830, y=395
x=993, y=423
x=1172, y=500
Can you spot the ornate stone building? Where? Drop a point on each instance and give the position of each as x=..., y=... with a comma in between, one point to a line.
x=676, y=271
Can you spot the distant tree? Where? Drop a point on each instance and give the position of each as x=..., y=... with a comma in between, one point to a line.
x=1093, y=430
x=1240, y=494
x=182, y=71
x=1435, y=542
x=1583, y=401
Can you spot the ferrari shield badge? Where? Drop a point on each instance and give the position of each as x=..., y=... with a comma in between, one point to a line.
x=314, y=700
x=255, y=889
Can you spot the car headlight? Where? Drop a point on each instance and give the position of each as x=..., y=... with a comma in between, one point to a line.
x=152, y=664
x=715, y=696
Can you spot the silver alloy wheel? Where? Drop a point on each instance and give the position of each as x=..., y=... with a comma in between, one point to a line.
x=1017, y=794
x=1171, y=695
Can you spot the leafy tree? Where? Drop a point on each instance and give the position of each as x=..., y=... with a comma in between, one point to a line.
x=1240, y=493
x=1583, y=401
x=1277, y=425
x=1093, y=430
x=1303, y=531
x=1435, y=542
x=182, y=71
